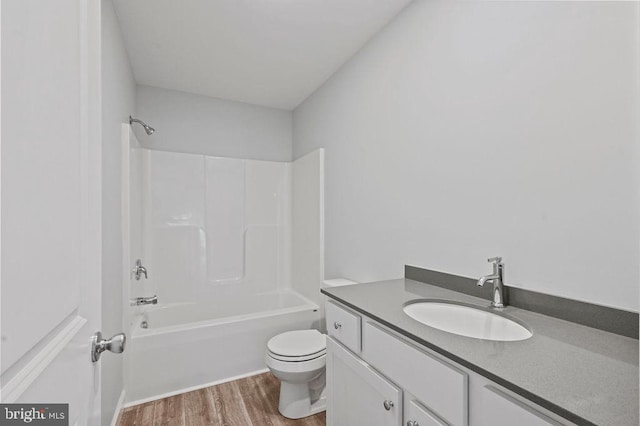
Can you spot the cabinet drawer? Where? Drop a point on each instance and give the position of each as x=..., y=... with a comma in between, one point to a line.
x=417, y=415
x=343, y=325
x=510, y=411
x=440, y=387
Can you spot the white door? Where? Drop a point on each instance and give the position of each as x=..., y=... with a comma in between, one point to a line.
x=51, y=179
x=357, y=394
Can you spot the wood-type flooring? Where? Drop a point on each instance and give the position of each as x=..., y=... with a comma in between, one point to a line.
x=252, y=401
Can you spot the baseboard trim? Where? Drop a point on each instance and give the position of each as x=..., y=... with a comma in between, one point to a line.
x=119, y=407
x=193, y=388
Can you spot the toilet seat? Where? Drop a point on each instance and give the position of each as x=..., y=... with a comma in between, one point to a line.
x=302, y=366
x=297, y=358
x=297, y=345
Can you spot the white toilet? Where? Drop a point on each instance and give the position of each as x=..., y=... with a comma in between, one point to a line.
x=298, y=358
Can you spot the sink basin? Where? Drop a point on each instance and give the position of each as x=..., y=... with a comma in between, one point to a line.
x=466, y=321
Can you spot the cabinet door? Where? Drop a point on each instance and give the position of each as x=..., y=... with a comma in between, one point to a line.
x=357, y=394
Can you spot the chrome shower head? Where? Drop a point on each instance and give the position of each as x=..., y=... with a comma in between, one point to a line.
x=146, y=127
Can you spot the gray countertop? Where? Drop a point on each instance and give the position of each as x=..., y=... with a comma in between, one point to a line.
x=585, y=375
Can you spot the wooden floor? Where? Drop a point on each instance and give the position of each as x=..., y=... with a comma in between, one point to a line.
x=245, y=402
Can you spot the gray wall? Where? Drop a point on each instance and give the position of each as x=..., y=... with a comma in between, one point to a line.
x=203, y=125
x=466, y=130
x=118, y=101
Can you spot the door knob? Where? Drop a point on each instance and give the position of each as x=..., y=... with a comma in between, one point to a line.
x=388, y=405
x=115, y=344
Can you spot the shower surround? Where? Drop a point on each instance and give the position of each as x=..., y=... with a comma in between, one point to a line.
x=215, y=235
x=215, y=226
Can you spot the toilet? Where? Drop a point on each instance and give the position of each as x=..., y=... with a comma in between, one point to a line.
x=298, y=359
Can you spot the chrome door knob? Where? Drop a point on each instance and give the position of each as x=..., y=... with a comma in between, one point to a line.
x=388, y=405
x=337, y=325
x=412, y=423
x=115, y=344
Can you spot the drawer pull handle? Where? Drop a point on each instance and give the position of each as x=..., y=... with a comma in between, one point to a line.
x=337, y=325
x=388, y=405
x=412, y=423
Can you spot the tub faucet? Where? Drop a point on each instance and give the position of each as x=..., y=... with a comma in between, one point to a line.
x=496, y=277
x=153, y=300
x=139, y=270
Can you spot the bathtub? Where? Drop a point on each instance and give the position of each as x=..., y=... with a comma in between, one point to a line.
x=187, y=346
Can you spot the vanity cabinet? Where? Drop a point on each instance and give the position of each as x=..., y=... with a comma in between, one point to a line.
x=377, y=377
x=357, y=394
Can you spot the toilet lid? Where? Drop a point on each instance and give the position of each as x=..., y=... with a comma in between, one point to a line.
x=297, y=343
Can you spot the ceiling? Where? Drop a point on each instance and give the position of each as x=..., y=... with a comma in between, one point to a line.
x=266, y=52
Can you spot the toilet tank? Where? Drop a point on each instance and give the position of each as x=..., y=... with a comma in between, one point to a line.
x=336, y=282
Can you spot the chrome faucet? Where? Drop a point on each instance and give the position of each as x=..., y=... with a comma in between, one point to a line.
x=139, y=270
x=153, y=300
x=497, y=278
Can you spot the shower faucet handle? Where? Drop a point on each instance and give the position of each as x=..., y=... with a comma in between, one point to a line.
x=140, y=270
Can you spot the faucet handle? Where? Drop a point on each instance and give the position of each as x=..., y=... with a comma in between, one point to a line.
x=495, y=260
x=139, y=270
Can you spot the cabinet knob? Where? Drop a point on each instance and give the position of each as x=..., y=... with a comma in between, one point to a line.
x=388, y=405
x=412, y=423
x=337, y=325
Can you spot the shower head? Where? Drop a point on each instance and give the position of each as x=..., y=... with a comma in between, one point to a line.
x=146, y=127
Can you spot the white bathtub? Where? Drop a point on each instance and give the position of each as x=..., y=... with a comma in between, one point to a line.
x=191, y=345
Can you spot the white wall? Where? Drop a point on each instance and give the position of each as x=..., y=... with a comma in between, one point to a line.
x=466, y=130
x=202, y=125
x=118, y=101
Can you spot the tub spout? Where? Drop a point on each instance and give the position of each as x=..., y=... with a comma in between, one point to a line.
x=153, y=300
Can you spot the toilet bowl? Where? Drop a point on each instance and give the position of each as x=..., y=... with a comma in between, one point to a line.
x=298, y=359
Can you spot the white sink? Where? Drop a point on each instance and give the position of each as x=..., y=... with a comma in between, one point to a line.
x=466, y=321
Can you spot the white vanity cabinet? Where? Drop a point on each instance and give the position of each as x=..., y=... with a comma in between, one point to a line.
x=377, y=377
x=357, y=394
